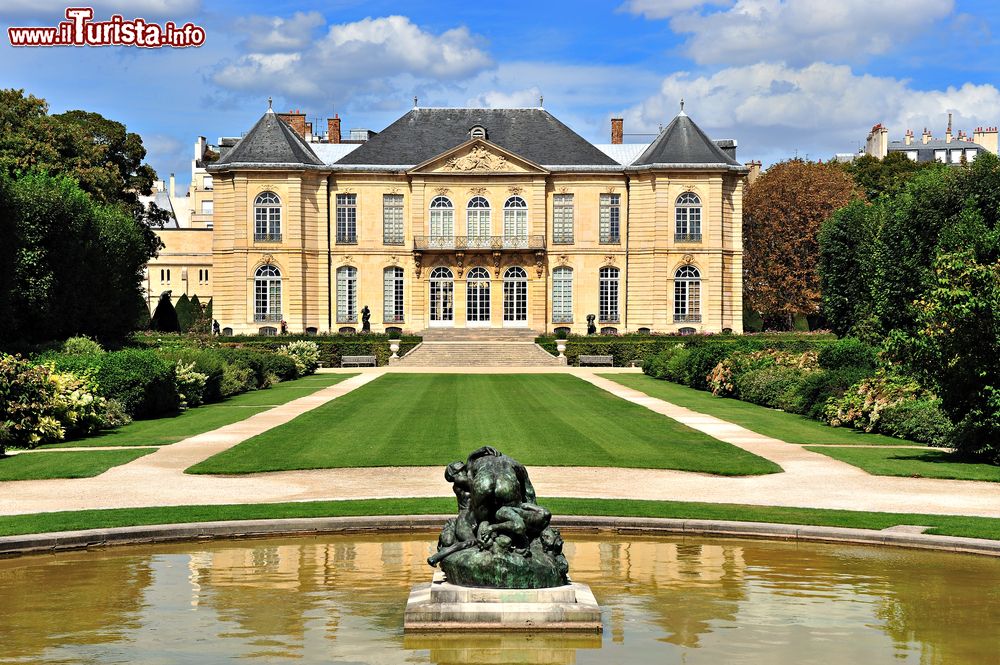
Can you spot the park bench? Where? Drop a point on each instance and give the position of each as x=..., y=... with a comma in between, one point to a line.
x=595, y=360
x=358, y=361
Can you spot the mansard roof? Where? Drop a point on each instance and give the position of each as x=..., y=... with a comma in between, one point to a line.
x=271, y=143
x=682, y=144
x=423, y=133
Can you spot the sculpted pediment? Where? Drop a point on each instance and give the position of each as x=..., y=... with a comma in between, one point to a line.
x=477, y=157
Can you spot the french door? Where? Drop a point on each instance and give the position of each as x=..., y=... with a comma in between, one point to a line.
x=442, y=298
x=477, y=302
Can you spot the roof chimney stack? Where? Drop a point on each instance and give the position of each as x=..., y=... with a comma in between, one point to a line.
x=295, y=120
x=908, y=139
x=333, y=129
x=617, y=130
x=926, y=137
x=947, y=133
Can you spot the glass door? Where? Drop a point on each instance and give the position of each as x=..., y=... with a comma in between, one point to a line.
x=477, y=303
x=515, y=298
x=442, y=298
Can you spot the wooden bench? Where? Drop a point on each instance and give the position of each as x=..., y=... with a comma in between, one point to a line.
x=595, y=360
x=358, y=361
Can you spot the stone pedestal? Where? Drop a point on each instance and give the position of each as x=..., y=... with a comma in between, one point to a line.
x=440, y=606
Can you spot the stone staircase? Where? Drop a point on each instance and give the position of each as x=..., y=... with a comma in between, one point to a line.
x=486, y=347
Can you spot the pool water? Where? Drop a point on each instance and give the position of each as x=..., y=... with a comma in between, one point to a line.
x=341, y=599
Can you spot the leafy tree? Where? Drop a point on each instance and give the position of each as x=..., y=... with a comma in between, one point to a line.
x=956, y=349
x=886, y=176
x=847, y=242
x=185, y=313
x=165, y=316
x=782, y=214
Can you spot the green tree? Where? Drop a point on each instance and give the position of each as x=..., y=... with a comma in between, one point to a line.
x=185, y=313
x=847, y=243
x=165, y=316
x=886, y=176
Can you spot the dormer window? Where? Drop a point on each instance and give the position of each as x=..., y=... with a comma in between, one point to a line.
x=477, y=132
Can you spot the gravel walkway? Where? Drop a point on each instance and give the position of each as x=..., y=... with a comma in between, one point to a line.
x=810, y=479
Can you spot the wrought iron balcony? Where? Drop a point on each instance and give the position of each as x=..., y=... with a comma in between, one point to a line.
x=611, y=240
x=267, y=237
x=687, y=237
x=347, y=238
x=687, y=318
x=259, y=317
x=478, y=243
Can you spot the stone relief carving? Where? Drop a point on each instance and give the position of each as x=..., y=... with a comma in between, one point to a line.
x=563, y=259
x=515, y=190
x=609, y=259
x=477, y=159
x=688, y=259
x=442, y=191
x=477, y=191
x=267, y=259
x=539, y=264
x=497, y=256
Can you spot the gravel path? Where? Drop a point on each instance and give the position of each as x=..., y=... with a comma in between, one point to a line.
x=809, y=480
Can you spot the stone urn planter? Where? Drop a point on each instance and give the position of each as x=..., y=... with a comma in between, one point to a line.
x=561, y=347
x=394, y=347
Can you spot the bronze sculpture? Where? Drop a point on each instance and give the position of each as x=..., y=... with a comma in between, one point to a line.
x=366, y=315
x=501, y=538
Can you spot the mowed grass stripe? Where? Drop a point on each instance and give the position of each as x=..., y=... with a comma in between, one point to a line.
x=787, y=427
x=910, y=463
x=171, y=429
x=65, y=464
x=433, y=419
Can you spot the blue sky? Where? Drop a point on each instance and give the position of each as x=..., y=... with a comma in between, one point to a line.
x=806, y=77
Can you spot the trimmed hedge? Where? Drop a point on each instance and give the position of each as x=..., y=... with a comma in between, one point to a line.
x=331, y=348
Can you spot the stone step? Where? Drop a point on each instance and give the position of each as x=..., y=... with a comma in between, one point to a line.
x=478, y=354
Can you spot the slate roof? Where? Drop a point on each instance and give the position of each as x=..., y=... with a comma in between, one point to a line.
x=421, y=134
x=683, y=144
x=270, y=143
x=925, y=151
x=331, y=152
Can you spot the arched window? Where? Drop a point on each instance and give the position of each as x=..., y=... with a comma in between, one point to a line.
x=608, y=290
x=687, y=218
x=442, y=303
x=687, y=295
x=515, y=222
x=347, y=294
x=442, y=218
x=477, y=297
x=562, y=295
x=267, y=217
x=267, y=294
x=515, y=296
x=477, y=217
x=392, y=306
x=477, y=132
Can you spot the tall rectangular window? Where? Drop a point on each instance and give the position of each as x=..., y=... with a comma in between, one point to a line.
x=393, y=303
x=562, y=295
x=347, y=295
x=562, y=219
x=392, y=219
x=206, y=182
x=207, y=207
x=607, y=305
x=347, y=219
x=610, y=221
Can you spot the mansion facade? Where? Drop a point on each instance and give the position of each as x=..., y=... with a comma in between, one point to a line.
x=477, y=218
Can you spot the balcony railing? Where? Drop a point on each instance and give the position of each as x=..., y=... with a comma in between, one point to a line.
x=267, y=237
x=611, y=240
x=687, y=318
x=480, y=243
x=259, y=317
x=687, y=237
x=347, y=239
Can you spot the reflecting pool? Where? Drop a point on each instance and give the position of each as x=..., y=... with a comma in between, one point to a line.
x=341, y=599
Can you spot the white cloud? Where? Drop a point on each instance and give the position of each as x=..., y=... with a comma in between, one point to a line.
x=351, y=59
x=274, y=33
x=774, y=109
x=796, y=31
x=56, y=9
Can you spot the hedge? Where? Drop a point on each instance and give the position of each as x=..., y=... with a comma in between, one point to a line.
x=635, y=349
x=331, y=348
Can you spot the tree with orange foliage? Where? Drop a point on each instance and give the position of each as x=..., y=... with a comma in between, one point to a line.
x=782, y=214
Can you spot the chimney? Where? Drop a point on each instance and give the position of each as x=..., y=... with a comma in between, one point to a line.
x=877, y=141
x=333, y=129
x=754, y=167
x=908, y=139
x=309, y=132
x=295, y=120
x=171, y=185
x=199, y=148
x=617, y=130
x=947, y=133
x=986, y=137
x=926, y=137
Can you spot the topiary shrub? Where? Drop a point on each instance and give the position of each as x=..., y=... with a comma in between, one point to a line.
x=165, y=316
x=141, y=380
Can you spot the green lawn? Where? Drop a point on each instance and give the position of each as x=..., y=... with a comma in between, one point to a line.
x=172, y=429
x=911, y=463
x=433, y=419
x=65, y=464
x=970, y=527
x=769, y=422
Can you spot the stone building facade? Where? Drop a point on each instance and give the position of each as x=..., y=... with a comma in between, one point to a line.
x=469, y=218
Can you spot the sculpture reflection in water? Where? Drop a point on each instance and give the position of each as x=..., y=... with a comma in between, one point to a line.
x=501, y=538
